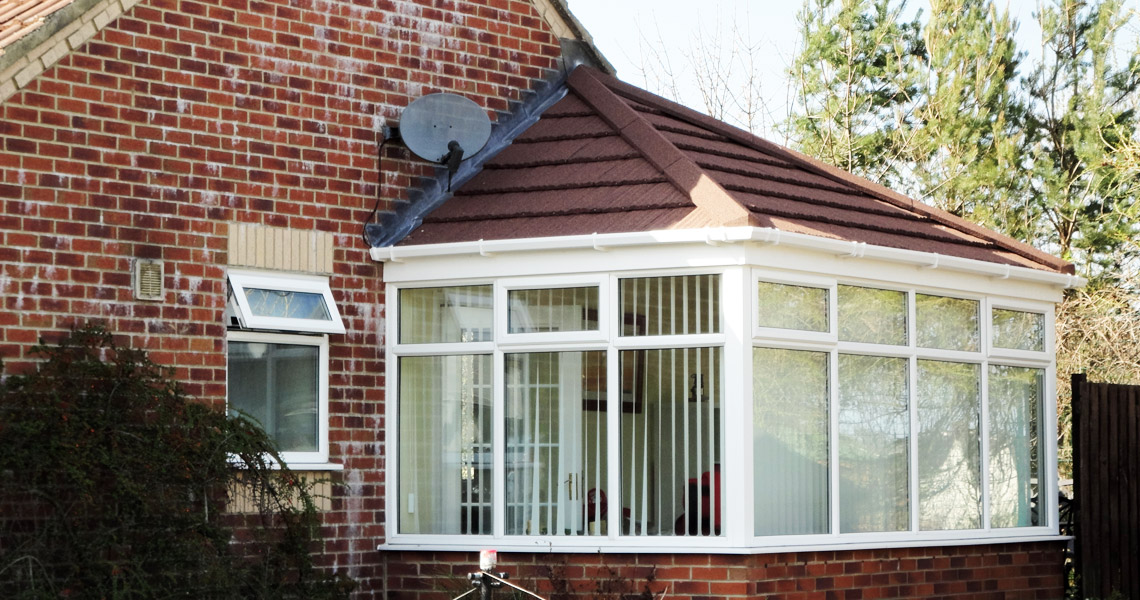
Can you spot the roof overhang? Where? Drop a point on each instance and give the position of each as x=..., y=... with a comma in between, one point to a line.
x=724, y=236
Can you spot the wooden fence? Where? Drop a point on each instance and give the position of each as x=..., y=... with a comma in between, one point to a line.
x=1106, y=483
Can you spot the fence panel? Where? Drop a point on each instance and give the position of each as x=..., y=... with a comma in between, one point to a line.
x=1106, y=483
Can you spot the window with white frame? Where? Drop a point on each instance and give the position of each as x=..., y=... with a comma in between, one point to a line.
x=277, y=359
x=597, y=409
x=882, y=426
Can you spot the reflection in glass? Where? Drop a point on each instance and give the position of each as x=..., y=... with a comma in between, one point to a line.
x=1019, y=330
x=947, y=323
x=872, y=316
x=287, y=304
x=671, y=442
x=447, y=314
x=1015, y=461
x=687, y=304
x=445, y=444
x=949, y=453
x=556, y=444
x=557, y=309
x=789, y=428
x=276, y=385
x=792, y=307
x=874, y=431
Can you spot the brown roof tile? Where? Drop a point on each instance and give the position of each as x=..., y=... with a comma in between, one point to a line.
x=610, y=157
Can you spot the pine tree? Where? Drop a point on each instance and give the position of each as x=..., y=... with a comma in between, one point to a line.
x=967, y=147
x=857, y=78
x=1081, y=204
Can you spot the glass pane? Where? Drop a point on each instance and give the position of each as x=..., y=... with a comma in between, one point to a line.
x=1016, y=395
x=558, y=309
x=670, y=305
x=789, y=428
x=556, y=444
x=792, y=307
x=445, y=444
x=947, y=323
x=872, y=316
x=671, y=442
x=287, y=304
x=276, y=385
x=949, y=452
x=449, y=314
x=1019, y=330
x=874, y=430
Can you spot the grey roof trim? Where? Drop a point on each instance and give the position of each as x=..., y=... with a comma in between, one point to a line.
x=396, y=225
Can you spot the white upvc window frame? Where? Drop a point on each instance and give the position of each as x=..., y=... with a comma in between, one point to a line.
x=738, y=335
x=1048, y=340
x=503, y=289
x=986, y=356
x=759, y=276
x=240, y=280
x=300, y=461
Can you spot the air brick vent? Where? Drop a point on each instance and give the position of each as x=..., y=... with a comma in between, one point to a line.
x=148, y=279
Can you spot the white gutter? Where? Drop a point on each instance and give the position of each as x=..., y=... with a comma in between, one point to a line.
x=729, y=235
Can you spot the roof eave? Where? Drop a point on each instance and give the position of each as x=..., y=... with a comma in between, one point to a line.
x=729, y=235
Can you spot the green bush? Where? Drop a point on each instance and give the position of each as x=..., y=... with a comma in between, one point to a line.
x=114, y=485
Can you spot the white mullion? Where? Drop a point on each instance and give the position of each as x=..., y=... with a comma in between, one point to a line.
x=1051, y=484
x=554, y=520
x=738, y=470
x=913, y=466
x=833, y=438
x=672, y=405
x=613, y=436
x=660, y=496
x=984, y=428
x=912, y=410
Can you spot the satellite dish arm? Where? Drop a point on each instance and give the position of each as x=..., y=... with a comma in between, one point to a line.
x=452, y=159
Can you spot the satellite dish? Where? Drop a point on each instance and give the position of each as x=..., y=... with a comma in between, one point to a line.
x=444, y=128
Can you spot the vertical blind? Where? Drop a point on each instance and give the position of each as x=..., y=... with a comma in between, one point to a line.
x=556, y=443
x=790, y=441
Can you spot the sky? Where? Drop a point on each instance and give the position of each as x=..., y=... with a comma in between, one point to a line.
x=648, y=42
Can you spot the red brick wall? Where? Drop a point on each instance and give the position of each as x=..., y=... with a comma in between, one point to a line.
x=994, y=571
x=185, y=115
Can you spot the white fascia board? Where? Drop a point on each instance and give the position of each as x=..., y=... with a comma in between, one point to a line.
x=726, y=236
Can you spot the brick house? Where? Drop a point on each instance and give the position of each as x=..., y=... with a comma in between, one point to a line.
x=819, y=388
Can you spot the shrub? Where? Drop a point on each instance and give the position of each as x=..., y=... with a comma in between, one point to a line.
x=114, y=485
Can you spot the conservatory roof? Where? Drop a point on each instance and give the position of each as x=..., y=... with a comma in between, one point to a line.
x=609, y=157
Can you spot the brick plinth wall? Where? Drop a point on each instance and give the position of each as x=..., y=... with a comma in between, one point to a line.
x=993, y=571
x=181, y=117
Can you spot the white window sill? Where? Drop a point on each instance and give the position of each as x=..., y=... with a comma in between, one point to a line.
x=293, y=466
x=325, y=466
x=670, y=547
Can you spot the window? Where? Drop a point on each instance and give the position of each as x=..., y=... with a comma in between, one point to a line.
x=610, y=411
x=283, y=302
x=280, y=378
x=663, y=383
x=907, y=452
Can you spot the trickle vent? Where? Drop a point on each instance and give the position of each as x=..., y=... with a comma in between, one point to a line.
x=148, y=279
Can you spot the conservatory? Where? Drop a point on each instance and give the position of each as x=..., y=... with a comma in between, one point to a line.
x=638, y=329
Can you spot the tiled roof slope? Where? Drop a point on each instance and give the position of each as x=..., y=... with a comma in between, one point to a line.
x=610, y=157
x=20, y=17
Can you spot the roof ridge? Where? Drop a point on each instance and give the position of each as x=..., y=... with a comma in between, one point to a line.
x=818, y=167
x=713, y=203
